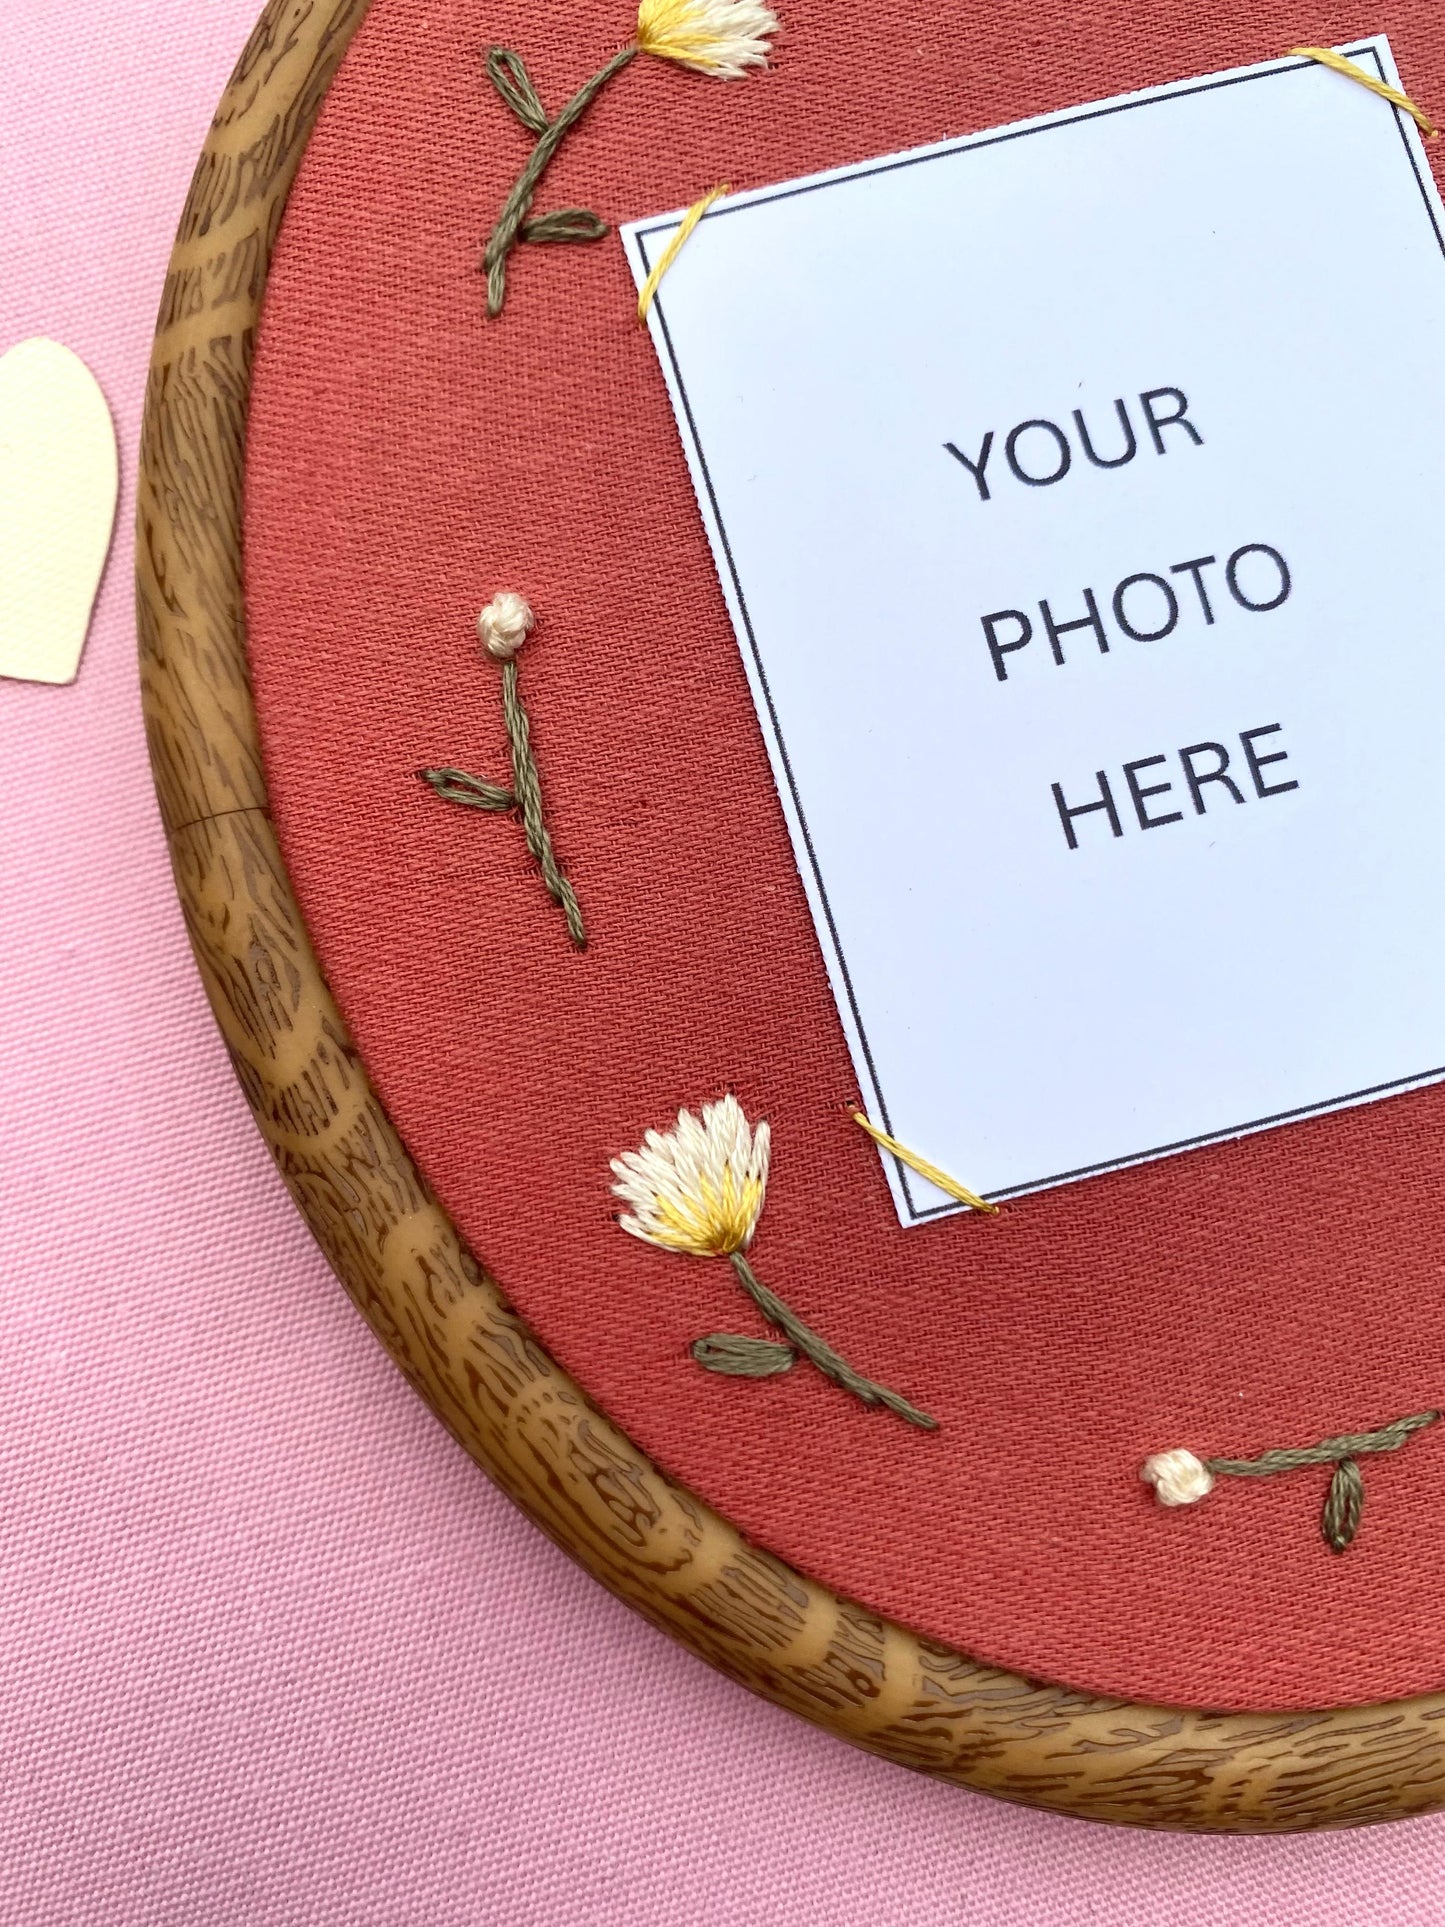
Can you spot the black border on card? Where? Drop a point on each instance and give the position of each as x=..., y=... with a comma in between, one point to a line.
x=965, y=144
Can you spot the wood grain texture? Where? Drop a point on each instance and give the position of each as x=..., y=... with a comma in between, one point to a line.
x=447, y=1327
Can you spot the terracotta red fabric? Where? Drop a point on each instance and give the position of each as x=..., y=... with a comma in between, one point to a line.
x=407, y=460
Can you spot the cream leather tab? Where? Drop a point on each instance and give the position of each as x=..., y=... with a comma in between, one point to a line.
x=59, y=477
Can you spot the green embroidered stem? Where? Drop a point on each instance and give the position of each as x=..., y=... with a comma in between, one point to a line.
x=734, y=1356
x=1345, y=1500
x=1351, y=1445
x=528, y=787
x=807, y=1341
x=505, y=68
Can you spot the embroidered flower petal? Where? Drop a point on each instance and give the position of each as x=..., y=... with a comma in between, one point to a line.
x=719, y=37
x=700, y=1187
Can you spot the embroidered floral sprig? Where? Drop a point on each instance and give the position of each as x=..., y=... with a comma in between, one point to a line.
x=722, y=38
x=699, y=1189
x=504, y=626
x=1179, y=1478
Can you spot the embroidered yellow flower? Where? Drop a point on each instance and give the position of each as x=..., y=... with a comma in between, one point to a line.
x=719, y=37
x=698, y=1188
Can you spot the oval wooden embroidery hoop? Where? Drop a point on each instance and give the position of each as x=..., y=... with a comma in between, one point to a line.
x=447, y=1327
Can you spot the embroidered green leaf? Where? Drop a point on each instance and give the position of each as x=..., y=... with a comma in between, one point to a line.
x=1344, y=1502
x=734, y=1356
x=566, y=224
x=508, y=74
x=473, y=792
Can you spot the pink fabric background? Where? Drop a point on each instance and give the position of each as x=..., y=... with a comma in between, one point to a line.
x=272, y=1652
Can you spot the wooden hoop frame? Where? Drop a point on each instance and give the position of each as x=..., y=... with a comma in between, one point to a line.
x=463, y=1350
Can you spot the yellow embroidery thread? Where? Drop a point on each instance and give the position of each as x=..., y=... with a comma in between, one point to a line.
x=1337, y=64
x=950, y=1186
x=675, y=247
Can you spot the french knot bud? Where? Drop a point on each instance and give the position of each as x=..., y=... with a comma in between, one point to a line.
x=504, y=625
x=1178, y=1478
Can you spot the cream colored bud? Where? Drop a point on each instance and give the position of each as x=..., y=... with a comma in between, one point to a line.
x=1178, y=1478
x=504, y=625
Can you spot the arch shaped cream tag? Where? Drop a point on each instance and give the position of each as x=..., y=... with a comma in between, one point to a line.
x=59, y=477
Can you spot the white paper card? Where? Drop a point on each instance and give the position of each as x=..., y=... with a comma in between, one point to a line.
x=59, y=479
x=954, y=621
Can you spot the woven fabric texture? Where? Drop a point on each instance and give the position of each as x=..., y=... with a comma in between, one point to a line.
x=407, y=460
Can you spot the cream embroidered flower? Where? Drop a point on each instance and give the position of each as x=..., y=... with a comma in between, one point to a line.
x=1178, y=1478
x=698, y=1188
x=505, y=624
x=719, y=37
